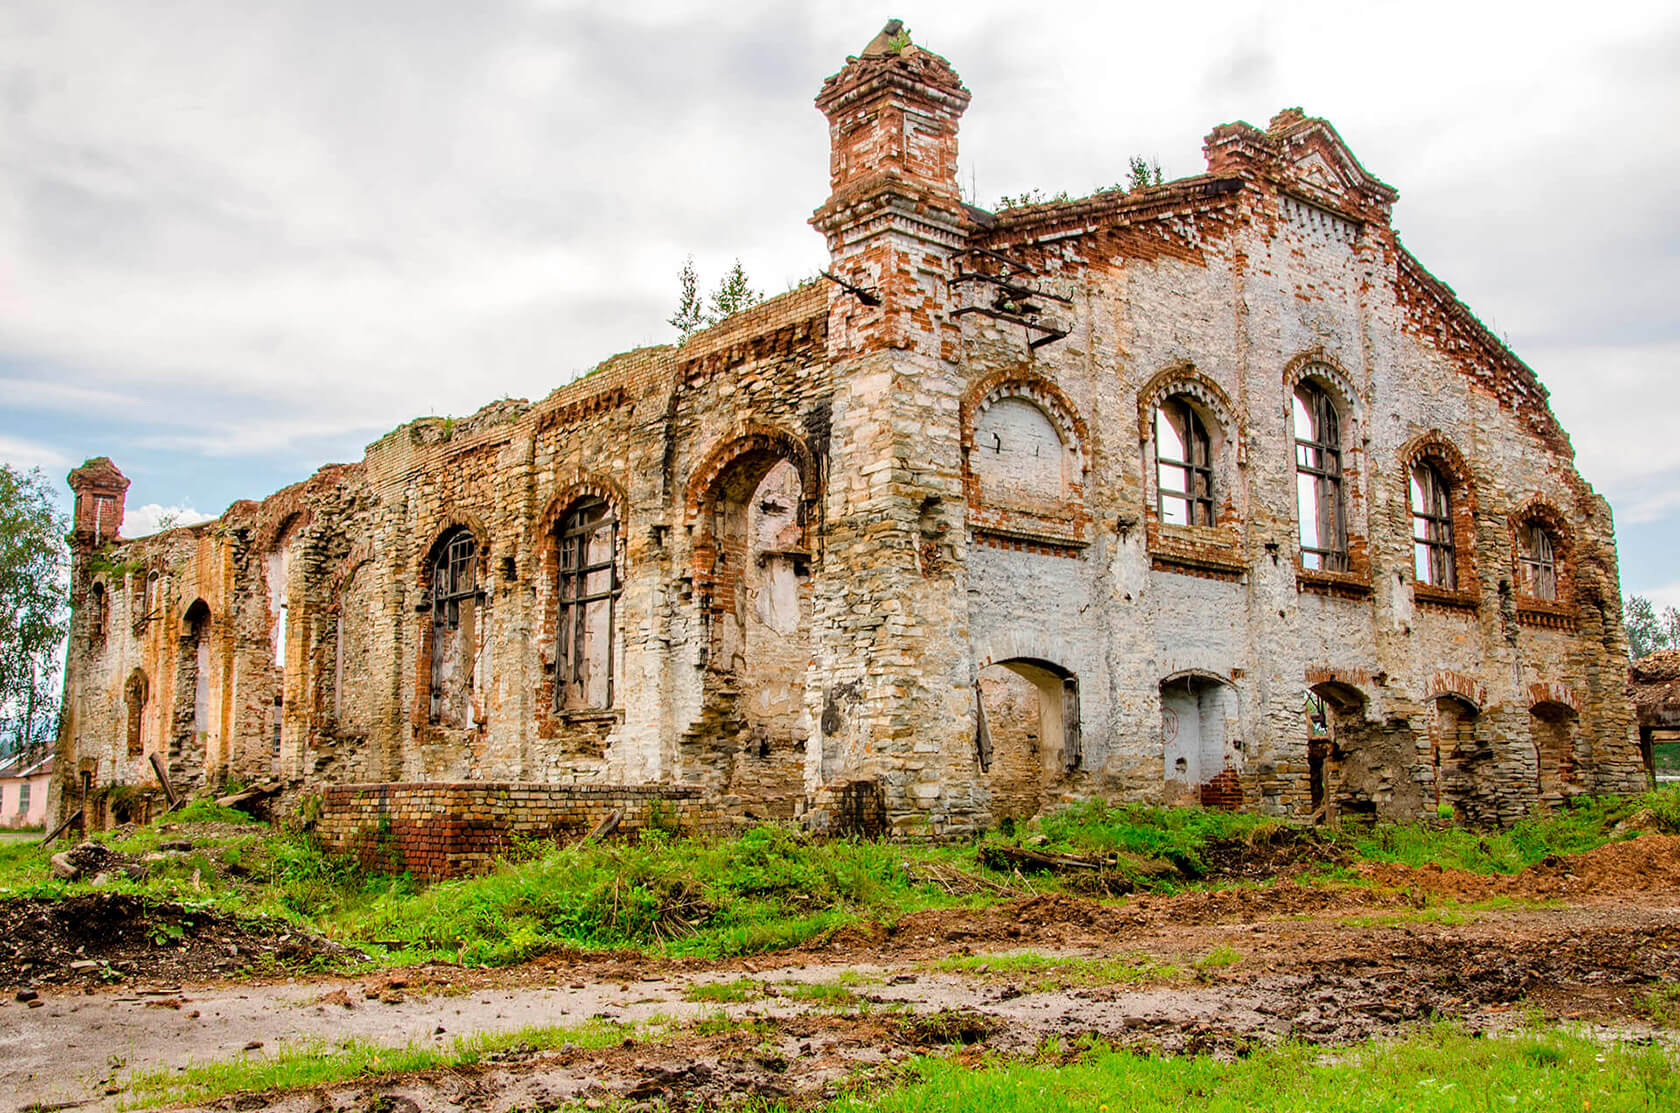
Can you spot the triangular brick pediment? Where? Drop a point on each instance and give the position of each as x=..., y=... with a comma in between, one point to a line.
x=1315, y=156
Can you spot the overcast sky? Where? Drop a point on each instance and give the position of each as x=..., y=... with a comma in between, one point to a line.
x=241, y=240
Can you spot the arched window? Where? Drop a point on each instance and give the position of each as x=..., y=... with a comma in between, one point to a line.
x=1537, y=562
x=1183, y=464
x=99, y=609
x=588, y=590
x=1318, y=479
x=1018, y=454
x=455, y=635
x=134, y=695
x=1433, y=555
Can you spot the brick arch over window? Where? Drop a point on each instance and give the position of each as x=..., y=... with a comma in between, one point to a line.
x=1465, y=689
x=1434, y=450
x=1534, y=606
x=1321, y=368
x=1015, y=497
x=1021, y=382
x=753, y=439
x=757, y=441
x=1183, y=378
x=578, y=489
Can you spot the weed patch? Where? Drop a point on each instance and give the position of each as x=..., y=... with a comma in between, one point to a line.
x=1044, y=973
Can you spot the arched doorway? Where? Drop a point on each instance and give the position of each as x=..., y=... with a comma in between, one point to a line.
x=1333, y=714
x=753, y=575
x=1201, y=744
x=1028, y=733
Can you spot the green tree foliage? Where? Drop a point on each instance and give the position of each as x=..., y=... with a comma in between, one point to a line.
x=33, y=619
x=1647, y=631
x=733, y=294
x=1144, y=172
x=690, y=316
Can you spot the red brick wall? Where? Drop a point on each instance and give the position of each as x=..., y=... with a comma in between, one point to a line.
x=438, y=830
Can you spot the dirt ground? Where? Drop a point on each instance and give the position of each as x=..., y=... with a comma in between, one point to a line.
x=1583, y=938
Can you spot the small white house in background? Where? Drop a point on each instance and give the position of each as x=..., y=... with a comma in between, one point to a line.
x=23, y=790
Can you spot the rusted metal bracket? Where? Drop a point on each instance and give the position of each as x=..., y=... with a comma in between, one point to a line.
x=1015, y=299
x=862, y=293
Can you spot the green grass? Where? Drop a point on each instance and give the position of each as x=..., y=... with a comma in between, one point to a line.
x=1219, y=958
x=1176, y=836
x=725, y=993
x=833, y=995
x=768, y=889
x=1044, y=973
x=1587, y=823
x=1440, y=1070
x=299, y=1066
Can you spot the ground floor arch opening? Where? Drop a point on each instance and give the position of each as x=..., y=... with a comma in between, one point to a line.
x=1028, y=732
x=1201, y=741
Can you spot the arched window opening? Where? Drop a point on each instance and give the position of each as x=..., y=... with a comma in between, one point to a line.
x=457, y=638
x=1318, y=480
x=198, y=645
x=99, y=610
x=1537, y=562
x=279, y=570
x=1434, y=561
x=1183, y=464
x=134, y=696
x=588, y=592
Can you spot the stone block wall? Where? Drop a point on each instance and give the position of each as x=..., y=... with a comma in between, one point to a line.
x=436, y=830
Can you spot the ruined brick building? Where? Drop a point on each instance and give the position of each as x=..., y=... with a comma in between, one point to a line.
x=1203, y=491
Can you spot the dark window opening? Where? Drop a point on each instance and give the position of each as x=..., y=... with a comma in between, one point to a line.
x=1318, y=480
x=588, y=594
x=1183, y=465
x=99, y=606
x=134, y=695
x=1432, y=529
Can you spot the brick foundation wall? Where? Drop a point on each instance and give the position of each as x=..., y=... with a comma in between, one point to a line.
x=439, y=830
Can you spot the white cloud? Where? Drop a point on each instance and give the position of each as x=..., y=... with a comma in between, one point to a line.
x=141, y=521
x=1664, y=597
x=27, y=454
x=252, y=227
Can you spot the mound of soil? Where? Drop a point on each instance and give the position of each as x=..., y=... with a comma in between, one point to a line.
x=103, y=938
x=1647, y=864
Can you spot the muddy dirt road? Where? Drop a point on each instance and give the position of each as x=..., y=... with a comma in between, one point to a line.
x=1583, y=938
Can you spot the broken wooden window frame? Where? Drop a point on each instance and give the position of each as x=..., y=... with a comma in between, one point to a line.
x=1434, y=555
x=1195, y=500
x=454, y=581
x=1318, y=460
x=1537, y=560
x=575, y=598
